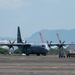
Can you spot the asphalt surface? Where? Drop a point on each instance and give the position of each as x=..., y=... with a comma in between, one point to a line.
x=36, y=65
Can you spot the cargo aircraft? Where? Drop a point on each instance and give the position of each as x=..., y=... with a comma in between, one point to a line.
x=27, y=48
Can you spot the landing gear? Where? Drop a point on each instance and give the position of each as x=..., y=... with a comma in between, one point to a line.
x=27, y=54
x=38, y=54
x=41, y=54
x=68, y=55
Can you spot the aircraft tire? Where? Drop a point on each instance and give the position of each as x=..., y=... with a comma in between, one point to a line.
x=68, y=56
x=27, y=54
x=38, y=54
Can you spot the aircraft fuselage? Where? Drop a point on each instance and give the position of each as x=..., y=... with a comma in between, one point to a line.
x=36, y=49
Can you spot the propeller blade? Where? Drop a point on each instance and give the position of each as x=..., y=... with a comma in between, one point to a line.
x=25, y=41
x=10, y=41
x=11, y=46
x=13, y=42
x=49, y=44
x=63, y=42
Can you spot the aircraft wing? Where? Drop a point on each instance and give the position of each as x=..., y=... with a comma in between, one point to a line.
x=22, y=44
x=16, y=44
x=28, y=45
x=59, y=44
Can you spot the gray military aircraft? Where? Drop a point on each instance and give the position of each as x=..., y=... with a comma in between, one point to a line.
x=27, y=48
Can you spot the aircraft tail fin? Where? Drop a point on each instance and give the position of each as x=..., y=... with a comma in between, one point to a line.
x=19, y=39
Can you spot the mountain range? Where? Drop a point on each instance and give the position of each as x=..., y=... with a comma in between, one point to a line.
x=50, y=35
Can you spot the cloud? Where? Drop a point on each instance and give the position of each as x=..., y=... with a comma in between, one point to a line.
x=13, y=3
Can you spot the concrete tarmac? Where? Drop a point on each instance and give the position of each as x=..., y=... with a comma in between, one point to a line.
x=36, y=65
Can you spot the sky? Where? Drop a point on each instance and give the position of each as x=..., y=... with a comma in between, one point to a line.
x=35, y=15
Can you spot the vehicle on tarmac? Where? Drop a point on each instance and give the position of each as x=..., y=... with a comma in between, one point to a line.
x=71, y=53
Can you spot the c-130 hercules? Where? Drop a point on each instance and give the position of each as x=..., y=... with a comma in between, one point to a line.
x=27, y=48
x=31, y=49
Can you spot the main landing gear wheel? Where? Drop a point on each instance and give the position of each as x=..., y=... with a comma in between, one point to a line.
x=27, y=54
x=38, y=54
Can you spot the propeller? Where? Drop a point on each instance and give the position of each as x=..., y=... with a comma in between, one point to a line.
x=24, y=41
x=61, y=43
x=49, y=44
x=11, y=44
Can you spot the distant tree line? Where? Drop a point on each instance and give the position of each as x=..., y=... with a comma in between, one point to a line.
x=7, y=51
x=4, y=51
